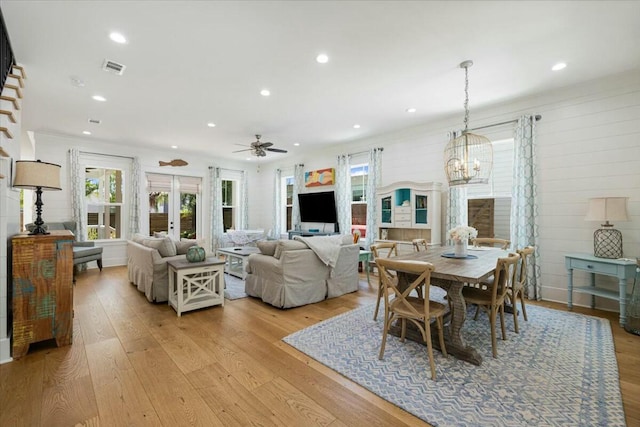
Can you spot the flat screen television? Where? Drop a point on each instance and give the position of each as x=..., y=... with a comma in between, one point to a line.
x=318, y=207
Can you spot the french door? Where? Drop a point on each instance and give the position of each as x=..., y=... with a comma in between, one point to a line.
x=174, y=205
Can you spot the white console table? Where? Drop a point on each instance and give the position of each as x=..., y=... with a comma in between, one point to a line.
x=309, y=233
x=622, y=269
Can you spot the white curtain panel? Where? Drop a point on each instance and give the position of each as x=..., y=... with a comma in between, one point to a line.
x=457, y=206
x=244, y=204
x=134, y=192
x=298, y=185
x=524, y=203
x=373, y=181
x=343, y=193
x=78, y=207
x=277, y=205
x=215, y=208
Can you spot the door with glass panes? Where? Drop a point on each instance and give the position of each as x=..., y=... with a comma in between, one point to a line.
x=173, y=205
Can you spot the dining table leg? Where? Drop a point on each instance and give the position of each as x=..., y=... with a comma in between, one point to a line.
x=453, y=330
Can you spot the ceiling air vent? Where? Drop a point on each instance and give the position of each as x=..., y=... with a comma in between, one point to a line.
x=113, y=67
x=94, y=121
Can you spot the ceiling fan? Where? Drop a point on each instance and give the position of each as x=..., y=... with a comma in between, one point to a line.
x=260, y=149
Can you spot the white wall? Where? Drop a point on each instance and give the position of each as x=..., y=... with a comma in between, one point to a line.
x=57, y=204
x=588, y=145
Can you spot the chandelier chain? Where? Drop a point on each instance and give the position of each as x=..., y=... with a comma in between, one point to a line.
x=466, y=99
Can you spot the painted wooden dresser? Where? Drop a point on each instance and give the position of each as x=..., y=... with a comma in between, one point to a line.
x=42, y=289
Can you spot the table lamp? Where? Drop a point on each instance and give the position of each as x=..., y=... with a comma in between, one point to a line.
x=607, y=241
x=37, y=175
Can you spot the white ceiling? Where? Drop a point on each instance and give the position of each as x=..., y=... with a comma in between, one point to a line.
x=193, y=62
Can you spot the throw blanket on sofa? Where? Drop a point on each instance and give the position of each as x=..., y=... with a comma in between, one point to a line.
x=326, y=248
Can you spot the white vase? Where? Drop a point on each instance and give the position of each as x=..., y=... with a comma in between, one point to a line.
x=460, y=247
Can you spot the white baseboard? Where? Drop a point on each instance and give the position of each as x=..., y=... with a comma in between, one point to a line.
x=5, y=350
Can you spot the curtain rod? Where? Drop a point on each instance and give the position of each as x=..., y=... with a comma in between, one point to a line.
x=538, y=117
x=364, y=152
x=230, y=170
x=105, y=155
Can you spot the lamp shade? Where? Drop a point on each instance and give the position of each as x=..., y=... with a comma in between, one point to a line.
x=607, y=209
x=33, y=174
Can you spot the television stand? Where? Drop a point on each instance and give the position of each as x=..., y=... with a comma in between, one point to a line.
x=309, y=233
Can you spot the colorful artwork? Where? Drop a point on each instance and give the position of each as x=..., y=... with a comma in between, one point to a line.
x=319, y=177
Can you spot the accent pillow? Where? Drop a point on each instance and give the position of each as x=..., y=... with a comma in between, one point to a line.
x=139, y=238
x=267, y=247
x=288, y=245
x=184, y=244
x=165, y=246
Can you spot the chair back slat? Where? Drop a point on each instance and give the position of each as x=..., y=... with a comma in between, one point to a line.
x=505, y=276
x=495, y=243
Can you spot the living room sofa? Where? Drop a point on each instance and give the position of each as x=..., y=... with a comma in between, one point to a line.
x=288, y=273
x=147, y=259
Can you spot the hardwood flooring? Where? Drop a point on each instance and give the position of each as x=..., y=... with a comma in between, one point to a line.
x=135, y=363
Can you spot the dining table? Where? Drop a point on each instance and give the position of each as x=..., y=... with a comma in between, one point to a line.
x=452, y=274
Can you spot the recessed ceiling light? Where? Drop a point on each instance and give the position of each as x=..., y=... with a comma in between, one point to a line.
x=174, y=147
x=118, y=38
x=322, y=58
x=356, y=126
x=265, y=92
x=411, y=110
x=297, y=144
x=99, y=98
x=86, y=132
x=211, y=125
x=559, y=66
x=249, y=158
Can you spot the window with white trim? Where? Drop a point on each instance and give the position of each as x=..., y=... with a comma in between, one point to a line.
x=489, y=205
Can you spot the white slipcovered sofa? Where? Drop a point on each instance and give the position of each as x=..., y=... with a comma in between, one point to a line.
x=147, y=263
x=289, y=273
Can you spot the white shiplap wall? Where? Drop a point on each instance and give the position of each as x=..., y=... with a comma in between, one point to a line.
x=588, y=145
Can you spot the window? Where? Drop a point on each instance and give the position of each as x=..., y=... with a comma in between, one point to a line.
x=489, y=205
x=104, y=192
x=229, y=204
x=359, y=178
x=288, y=182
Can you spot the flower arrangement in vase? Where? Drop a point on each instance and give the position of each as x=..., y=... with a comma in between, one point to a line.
x=460, y=236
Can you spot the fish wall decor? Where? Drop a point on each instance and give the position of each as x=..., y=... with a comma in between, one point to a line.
x=174, y=162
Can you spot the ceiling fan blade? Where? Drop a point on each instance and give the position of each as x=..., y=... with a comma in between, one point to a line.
x=242, y=145
x=240, y=151
x=276, y=150
x=266, y=144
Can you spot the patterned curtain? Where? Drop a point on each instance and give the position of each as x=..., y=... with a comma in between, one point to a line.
x=298, y=185
x=373, y=182
x=343, y=193
x=524, y=205
x=277, y=204
x=134, y=191
x=244, y=204
x=457, y=206
x=215, y=208
x=78, y=207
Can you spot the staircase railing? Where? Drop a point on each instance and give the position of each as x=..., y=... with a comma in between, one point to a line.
x=7, y=60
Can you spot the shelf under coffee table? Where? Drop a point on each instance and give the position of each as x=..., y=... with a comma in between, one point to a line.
x=235, y=259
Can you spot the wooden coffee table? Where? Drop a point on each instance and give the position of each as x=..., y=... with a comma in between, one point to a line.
x=235, y=259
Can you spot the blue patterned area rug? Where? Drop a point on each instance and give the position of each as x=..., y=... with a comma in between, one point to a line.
x=561, y=370
x=233, y=287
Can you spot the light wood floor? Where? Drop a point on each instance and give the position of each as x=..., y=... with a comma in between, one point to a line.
x=135, y=363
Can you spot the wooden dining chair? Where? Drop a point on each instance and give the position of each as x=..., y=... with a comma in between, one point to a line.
x=488, y=241
x=420, y=243
x=399, y=304
x=492, y=300
x=386, y=250
x=517, y=290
